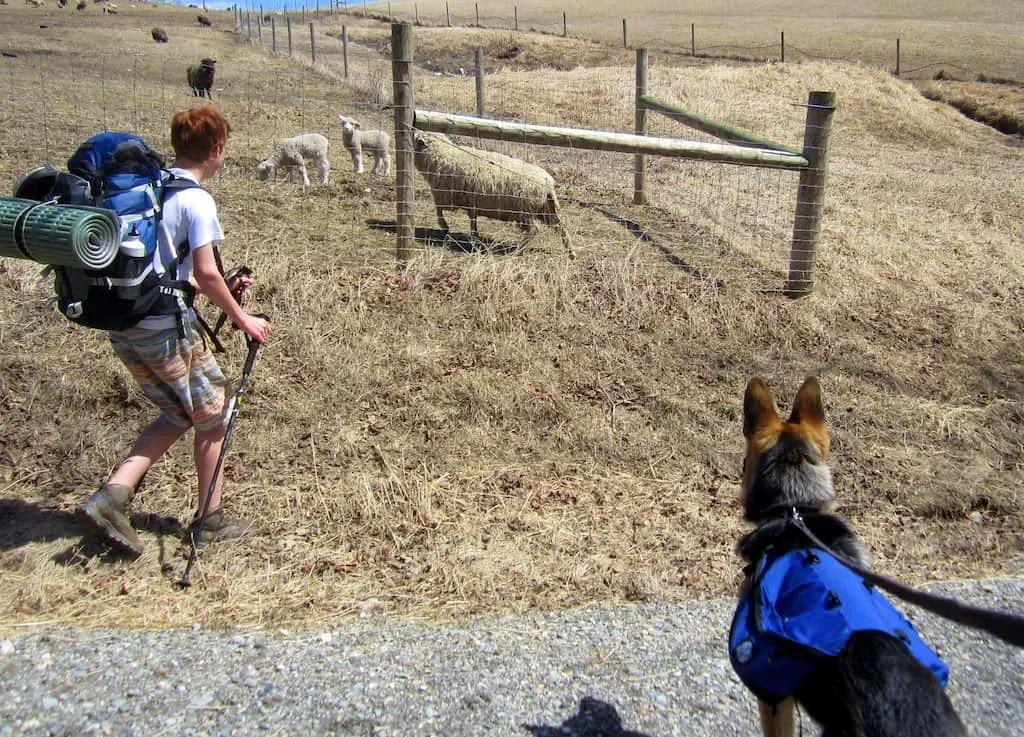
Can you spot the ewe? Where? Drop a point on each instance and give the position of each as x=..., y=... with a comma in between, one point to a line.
x=489, y=184
x=293, y=152
x=159, y=35
x=356, y=141
x=200, y=77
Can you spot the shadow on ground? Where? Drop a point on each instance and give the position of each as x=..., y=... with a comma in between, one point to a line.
x=595, y=718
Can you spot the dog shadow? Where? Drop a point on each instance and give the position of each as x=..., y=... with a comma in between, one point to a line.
x=455, y=242
x=594, y=718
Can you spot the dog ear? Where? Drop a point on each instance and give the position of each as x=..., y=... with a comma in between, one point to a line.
x=758, y=406
x=808, y=407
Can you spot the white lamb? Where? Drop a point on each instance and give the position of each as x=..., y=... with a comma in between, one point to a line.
x=376, y=142
x=489, y=184
x=291, y=153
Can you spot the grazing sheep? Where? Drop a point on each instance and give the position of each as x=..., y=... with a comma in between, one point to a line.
x=293, y=152
x=204, y=20
x=200, y=77
x=356, y=141
x=489, y=184
x=159, y=35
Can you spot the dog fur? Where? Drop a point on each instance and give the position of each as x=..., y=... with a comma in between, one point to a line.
x=874, y=687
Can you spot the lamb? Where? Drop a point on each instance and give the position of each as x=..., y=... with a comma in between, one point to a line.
x=375, y=142
x=200, y=77
x=489, y=184
x=293, y=152
x=159, y=35
x=204, y=20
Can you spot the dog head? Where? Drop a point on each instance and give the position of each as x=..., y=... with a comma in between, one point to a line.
x=786, y=460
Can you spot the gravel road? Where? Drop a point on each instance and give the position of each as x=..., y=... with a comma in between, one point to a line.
x=627, y=671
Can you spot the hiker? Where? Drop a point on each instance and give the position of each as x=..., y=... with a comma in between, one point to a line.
x=179, y=374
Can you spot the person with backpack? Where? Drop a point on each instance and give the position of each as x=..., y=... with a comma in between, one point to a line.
x=176, y=371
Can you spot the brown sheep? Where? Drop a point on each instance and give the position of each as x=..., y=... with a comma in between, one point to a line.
x=204, y=20
x=159, y=35
x=200, y=78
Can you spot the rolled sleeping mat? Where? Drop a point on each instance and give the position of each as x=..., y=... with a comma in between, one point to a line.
x=61, y=235
x=11, y=211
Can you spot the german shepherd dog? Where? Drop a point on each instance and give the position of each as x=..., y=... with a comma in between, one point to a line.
x=874, y=687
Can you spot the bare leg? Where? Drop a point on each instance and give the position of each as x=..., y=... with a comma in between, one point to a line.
x=153, y=442
x=208, y=445
x=777, y=721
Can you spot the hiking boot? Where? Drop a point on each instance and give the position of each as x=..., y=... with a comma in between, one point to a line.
x=106, y=511
x=217, y=527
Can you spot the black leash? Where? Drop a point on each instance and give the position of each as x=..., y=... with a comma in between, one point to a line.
x=1003, y=625
x=197, y=531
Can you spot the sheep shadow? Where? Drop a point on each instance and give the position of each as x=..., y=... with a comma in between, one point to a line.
x=455, y=242
x=594, y=718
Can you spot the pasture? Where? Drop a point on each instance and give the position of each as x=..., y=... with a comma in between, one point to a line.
x=480, y=431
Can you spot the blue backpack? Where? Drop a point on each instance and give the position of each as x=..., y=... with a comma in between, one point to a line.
x=122, y=173
x=803, y=606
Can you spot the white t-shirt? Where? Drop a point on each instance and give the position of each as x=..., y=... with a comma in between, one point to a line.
x=189, y=214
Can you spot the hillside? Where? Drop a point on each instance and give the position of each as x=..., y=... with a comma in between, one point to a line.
x=481, y=431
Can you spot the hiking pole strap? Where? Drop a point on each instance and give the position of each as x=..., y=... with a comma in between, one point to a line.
x=1003, y=625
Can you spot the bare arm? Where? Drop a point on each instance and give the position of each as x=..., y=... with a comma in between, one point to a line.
x=210, y=282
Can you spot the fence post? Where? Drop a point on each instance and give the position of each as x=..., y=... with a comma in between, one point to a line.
x=447, y=14
x=289, y=36
x=810, y=195
x=897, y=58
x=259, y=29
x=693, y=39
x=477, y=6
x=515, y=15
x=312, y=43
x=640, y=160
x=625, y=43
x=273, y=35
x=565, y=25
x=782, y=48
x=402, y=93
x=479, y=59
x=344, y=49
x=248, y=23
x=416, y=8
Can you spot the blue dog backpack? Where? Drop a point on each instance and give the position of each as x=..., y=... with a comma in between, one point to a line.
x=122, y=173
x=803, y=606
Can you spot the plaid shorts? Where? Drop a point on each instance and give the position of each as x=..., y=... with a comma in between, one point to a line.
x=180, y=376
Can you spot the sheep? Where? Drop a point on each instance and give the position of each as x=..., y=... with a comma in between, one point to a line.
x=82, y=5
x=159, y=35
x=200, y=77
x=489, y=184
x=293, y=152
x=376, y=142
x=204, y=20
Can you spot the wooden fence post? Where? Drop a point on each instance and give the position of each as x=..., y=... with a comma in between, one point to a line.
x=344, y=49
x=416, y=8
x=289, y=36
x=478, y=57
x=897, y=58
x=273, y=35
x=625, y=43
x=402, y=93
x=810, y=194
x=782, y=48
x=565, y=25
x=248, y=23
x=640, y=160
x=515, y=15
x=447, y=14
x=693, y=39
x=312, y=43
x=477, y=6
x=259, y=29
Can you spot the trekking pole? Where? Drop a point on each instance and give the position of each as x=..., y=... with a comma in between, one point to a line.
x=250, y=360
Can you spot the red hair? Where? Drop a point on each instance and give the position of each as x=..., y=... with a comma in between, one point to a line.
x=195, y=133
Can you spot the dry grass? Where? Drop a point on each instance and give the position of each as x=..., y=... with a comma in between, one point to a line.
x=478, y=432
